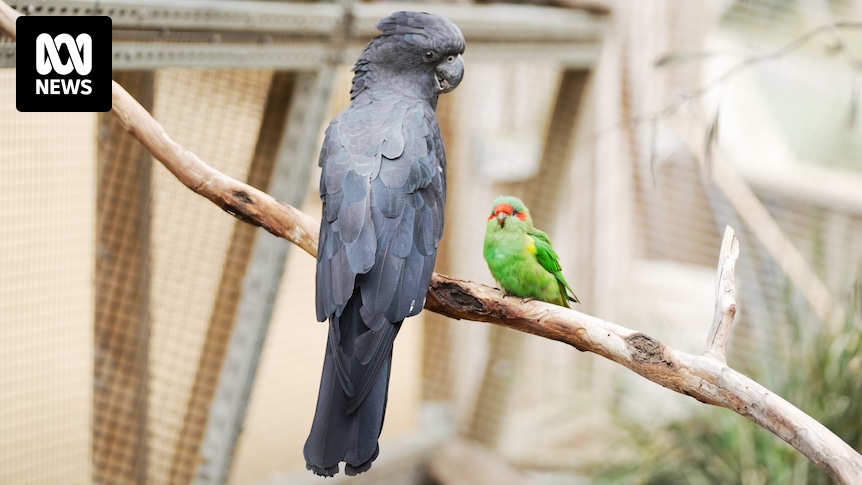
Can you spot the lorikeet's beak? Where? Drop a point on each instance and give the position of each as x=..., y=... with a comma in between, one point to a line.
x=501, y=218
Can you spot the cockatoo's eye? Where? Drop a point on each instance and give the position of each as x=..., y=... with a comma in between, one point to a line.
x=429, y=55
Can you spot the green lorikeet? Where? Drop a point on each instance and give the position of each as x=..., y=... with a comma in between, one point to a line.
x=521, y=257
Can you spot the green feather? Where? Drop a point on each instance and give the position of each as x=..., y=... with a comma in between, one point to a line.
x=521, y=257
x=549, y=260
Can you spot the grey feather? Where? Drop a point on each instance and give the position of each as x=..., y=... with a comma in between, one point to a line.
x=383, y=191
x=361, y=252
x=389, y=200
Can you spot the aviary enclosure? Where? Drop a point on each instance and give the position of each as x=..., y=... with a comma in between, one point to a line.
x=149, y=337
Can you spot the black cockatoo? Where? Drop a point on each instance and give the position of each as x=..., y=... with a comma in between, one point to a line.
x=383, y=188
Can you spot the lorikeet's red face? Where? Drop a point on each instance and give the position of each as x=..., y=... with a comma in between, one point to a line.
x=503, y=210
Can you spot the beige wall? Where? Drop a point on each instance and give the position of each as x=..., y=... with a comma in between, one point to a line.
x=47, y=176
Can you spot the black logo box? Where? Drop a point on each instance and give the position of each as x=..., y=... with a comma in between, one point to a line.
x=98, y=80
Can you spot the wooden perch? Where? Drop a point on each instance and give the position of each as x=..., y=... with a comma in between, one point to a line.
x=704, y=377
x=238, y=199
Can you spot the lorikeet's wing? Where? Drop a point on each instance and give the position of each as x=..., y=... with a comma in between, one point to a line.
x=550, y=261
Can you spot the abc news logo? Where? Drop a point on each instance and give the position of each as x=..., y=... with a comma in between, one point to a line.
x=48, y=60
x=63, y=64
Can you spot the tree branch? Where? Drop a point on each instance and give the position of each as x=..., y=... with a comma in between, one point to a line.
x=705, y=378
x=725, y=296
x=236, y=198
x=8, y=16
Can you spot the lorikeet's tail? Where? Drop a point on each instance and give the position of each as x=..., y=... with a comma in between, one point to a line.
x=344, y=430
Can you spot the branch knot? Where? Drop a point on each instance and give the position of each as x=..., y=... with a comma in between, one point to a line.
x=645, y=349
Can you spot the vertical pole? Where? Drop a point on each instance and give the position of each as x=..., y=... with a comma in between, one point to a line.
x=122, y=322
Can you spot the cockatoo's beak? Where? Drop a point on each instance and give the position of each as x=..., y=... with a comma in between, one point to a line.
x=450, y=73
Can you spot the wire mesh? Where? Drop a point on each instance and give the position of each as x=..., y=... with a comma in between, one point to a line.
x=635, y=221
x=216, y=114
x=122, y=281
x=46, y=294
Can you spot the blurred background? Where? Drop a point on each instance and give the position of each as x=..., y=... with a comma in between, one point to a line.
x=148, y=337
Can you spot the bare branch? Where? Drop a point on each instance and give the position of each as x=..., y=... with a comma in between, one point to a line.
x=236, y=198
x=8, y=16
x=725, y=296
x=704, y=378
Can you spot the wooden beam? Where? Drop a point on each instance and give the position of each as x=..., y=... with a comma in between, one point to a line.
x=122, y=320
x=250, y=280
x=544, y=192
x=187, y=455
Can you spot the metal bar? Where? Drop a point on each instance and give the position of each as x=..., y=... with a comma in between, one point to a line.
x=543, y=191
x=494, y=22
x=480, y=22
x=122, y=321
x=250, y=35
x=242, y=56
x=308, y=55
x=288, y=17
